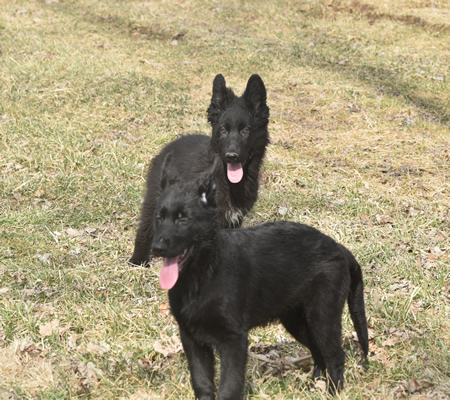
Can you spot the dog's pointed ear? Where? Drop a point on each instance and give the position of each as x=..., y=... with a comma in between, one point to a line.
x=255, y=95
x=220, y=100
x=169, y=172
x=207, y=192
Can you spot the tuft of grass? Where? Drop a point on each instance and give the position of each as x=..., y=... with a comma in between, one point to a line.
x=91, y=91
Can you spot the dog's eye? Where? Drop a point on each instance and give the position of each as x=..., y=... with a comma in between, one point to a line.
x=181, y=219
x=223, y=131
x=245, y=131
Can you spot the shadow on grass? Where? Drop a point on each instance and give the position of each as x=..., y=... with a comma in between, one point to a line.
x=385, y=81
x=372, y=14
x=324, y=55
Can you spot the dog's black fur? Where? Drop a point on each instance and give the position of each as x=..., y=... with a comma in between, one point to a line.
x=231, y=280
x=239, y=137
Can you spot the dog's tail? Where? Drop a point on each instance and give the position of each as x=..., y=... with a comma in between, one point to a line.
x=356, y=303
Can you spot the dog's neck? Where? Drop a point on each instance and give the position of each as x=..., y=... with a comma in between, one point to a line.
x=199, y=269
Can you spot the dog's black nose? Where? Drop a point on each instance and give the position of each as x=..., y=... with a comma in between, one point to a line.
x=231, y=156
x=158, y=252
x=159, y=247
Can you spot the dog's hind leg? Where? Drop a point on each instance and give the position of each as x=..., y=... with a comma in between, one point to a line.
x=142, y=244
x=296, y=324
x=324, y=332
x=201, y=365
x=144, y=235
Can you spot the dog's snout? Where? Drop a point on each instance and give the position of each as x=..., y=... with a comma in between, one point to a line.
x=231, y=156
x=159, y=246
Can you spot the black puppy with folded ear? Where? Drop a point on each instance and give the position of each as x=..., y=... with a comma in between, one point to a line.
x=224, y=282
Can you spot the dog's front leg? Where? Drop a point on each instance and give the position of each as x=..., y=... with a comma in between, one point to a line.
x=233, y=356
x=201, y=364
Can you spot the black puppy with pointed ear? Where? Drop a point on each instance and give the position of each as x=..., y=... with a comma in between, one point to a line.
x=169, y=173
x=233, y=155
x=254, y=99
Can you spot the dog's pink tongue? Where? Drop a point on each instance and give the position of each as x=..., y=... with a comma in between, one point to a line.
x=169, y=273
x=235, y=172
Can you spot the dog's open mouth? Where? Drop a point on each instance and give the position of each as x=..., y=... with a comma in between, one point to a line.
x=235, y=172
x=168, y=275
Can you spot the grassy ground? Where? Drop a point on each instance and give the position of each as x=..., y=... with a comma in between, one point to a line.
x=90, y=91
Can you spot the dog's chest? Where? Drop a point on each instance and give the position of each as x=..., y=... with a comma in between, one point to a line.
x=202, y=318
x=234, y=216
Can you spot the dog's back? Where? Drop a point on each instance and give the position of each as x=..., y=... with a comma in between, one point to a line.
x=267, y=271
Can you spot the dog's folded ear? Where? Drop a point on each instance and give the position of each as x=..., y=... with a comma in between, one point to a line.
x=207, y=192
x=220, y=100
x=255, y=95
x=169, y=172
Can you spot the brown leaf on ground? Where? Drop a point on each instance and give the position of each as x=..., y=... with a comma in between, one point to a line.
x=72, y=342
x=439, y=237
x=73, y=232
x=7, y=396
x=88, y=375
x=412, y=212
x=49, y=328
x=374, y=384
x=381, y=355
x=390, y=341
x=44, y=308
x=405, y=388
x=19, y=277
x=172, y=345
x=99, y=349
x=164, y=308
x=383, y=219
x=30, y=348
x=321, y=385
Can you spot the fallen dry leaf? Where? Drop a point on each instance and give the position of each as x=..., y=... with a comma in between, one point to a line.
x=49, y=328
x=321, y=385
x=439, y=237
x=19, y=277
x=172, y=345
x=381, y=355
x=164, y=308
x=44, y=308
x=99, y=349
x=30, y=348
x=73, y=232
x=374, y=384
x=391, y=341
x=383, y=219
x=6, y=396
x=412, y=212
x=88, y=375
x=72, y=342
x=404, y=388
